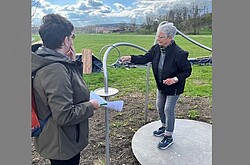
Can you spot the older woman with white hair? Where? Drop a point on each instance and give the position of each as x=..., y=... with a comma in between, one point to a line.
x=171, y=68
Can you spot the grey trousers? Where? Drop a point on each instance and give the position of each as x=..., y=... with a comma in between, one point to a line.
x=166, y=107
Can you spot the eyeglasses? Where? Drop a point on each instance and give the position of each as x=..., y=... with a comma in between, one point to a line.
x=161, y=37
x=73, y=36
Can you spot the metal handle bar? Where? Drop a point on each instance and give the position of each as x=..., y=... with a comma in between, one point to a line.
x=106, y=56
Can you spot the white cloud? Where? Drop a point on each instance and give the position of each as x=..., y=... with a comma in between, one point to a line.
x=85, y=12
x=119, y=6
x=94, y=3
x=106, y=9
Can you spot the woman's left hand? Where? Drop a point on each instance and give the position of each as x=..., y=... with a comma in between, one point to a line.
x=169, y=81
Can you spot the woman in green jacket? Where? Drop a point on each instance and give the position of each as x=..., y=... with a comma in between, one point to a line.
x=60, y=92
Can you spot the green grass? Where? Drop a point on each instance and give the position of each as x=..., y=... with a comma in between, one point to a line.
x=200, y=82
x=206, y=31
x=96, y=42
x=134, y=79
x=35, y=38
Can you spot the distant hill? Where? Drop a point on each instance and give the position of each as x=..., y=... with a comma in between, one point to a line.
x=107, y=28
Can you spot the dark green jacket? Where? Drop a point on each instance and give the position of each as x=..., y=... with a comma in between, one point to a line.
x=60, y=89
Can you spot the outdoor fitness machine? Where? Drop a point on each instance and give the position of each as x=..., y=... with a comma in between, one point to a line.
x=107, y=91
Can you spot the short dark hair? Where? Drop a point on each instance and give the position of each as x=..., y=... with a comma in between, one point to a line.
x=54, y=29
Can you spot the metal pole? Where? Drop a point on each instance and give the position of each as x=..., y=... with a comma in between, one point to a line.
x=193, y=41
x=105, y=72
x=106, y=109
x=147, y=91
x=107, y=134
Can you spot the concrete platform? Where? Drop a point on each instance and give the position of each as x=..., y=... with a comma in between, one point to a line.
x=192, y=144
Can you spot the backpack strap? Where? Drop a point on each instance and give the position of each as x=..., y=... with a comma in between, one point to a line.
x=33, y=74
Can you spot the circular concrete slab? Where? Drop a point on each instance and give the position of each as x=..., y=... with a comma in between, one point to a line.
x=192, y=144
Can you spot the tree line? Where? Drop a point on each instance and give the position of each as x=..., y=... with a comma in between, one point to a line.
x=193, y=20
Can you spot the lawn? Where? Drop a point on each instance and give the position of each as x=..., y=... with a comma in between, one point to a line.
x=134, y=79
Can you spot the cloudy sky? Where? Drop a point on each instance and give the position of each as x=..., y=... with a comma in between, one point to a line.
x=89, y=12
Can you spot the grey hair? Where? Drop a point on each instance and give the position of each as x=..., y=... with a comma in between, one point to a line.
x=168, y=29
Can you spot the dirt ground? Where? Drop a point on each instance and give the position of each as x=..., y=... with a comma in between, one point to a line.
x=124, y=124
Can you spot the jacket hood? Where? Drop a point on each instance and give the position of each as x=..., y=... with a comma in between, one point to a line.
x=42, y=56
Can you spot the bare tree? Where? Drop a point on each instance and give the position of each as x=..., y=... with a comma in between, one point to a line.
x=34, y=5
x=132, y=26
x=148, y=23
x=185, y=13
x=123, y=26
x=171, y=16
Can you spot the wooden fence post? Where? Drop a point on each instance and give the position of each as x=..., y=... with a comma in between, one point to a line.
x=87, y=61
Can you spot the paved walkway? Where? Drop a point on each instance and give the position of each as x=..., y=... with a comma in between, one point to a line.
x=192, y=144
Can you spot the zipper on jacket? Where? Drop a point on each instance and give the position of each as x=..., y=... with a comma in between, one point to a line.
x=77, y=133
x=175, y=91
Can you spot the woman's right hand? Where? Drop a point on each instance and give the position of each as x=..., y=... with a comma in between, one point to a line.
x=125, y=58
x=71, y=53
x=95, y=103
